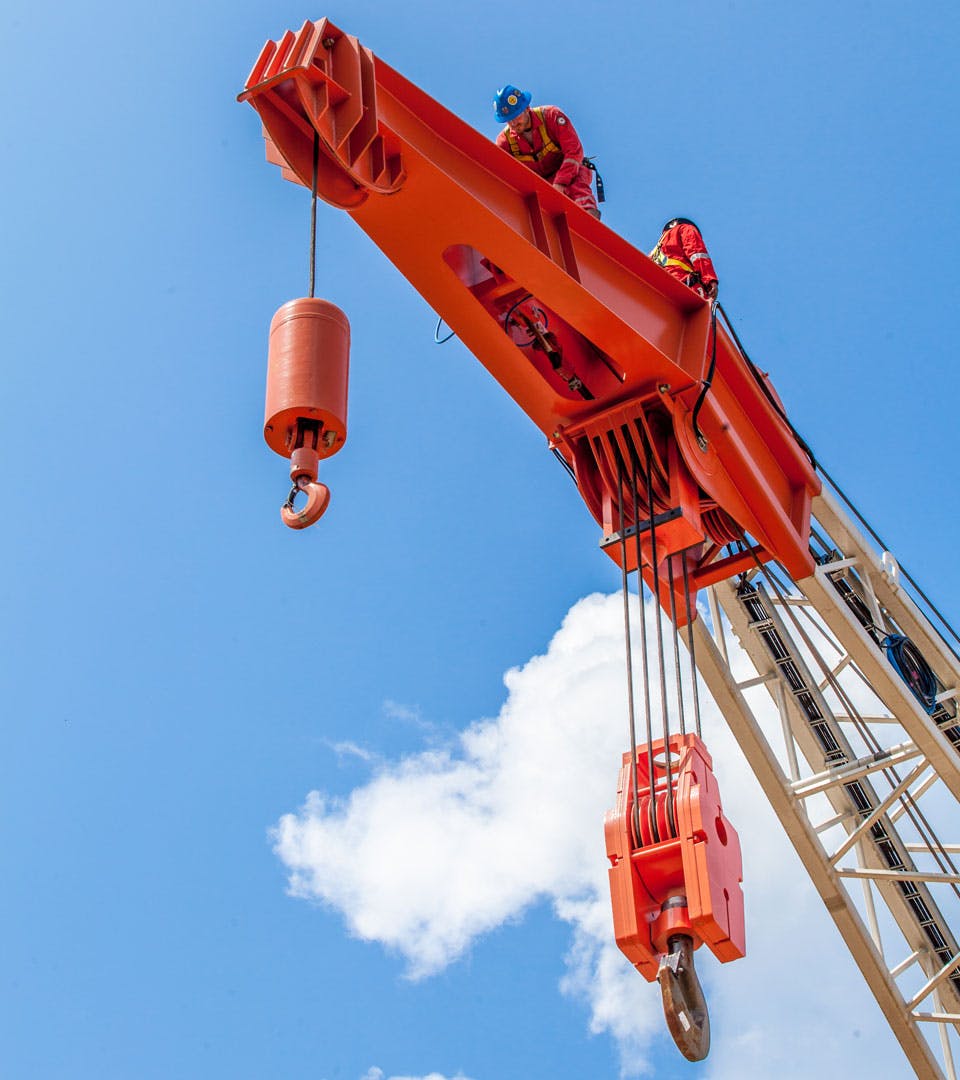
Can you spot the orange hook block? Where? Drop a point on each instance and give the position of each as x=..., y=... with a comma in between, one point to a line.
x=306, y=406
x=675, y=873
x=682, y=874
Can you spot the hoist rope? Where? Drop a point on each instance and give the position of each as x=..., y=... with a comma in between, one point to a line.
x=658, y=615
x=626, y=634
x=629, y=490
x=671, y=580
x=634, y=495
x=313, y=213
x=690, y=648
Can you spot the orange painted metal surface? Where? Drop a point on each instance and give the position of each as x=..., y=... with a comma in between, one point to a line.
x=307, y=370
x=602, y=348
x=676, y=865
x=318, y=499
x=308, y=367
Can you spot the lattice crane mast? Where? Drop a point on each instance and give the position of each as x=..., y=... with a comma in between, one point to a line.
x=682, y=452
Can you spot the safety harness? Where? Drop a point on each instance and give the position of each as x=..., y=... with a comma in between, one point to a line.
x=668, y=260
x=548, y=144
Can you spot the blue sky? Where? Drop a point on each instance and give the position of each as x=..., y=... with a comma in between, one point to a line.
x=180, y=671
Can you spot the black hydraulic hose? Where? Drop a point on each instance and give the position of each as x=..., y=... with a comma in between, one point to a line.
x=708, y=381
x=437, y=339
x=522, y=300
x=566, y=464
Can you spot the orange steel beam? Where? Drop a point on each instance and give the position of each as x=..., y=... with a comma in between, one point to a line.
x=605, y=351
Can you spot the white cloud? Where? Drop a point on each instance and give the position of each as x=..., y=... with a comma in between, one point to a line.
x=352, y=749
x=441, y=846
x=374, y=1073
x=406, y=714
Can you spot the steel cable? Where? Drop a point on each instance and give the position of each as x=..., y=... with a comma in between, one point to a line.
x=313, y=214
x=629, y=646
x=692, y=649
x=634, y=495
x=676, y=641
x=658, y=615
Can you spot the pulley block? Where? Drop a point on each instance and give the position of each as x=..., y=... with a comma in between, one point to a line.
x=675, y=874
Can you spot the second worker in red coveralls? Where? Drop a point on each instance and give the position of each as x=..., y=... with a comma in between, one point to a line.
x=682, y=253
x=544, y=140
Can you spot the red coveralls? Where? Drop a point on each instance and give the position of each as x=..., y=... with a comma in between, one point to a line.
x=552, y=149
x=682, y=253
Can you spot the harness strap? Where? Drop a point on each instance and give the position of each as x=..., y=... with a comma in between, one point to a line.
x=548, y=144
x=666, y=260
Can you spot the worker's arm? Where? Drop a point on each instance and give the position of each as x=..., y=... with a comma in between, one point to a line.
x=565, y=136
x=696, y=254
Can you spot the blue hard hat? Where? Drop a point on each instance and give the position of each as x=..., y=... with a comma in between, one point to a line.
x=510, y=103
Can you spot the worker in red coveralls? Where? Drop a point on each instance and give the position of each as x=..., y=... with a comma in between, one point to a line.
x=544, y=140
x=682, y=253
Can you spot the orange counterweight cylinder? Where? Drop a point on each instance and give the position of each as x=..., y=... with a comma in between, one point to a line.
x=307, y=371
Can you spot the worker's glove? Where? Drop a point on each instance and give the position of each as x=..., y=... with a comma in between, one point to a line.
x=710, y=291
x=562, y=188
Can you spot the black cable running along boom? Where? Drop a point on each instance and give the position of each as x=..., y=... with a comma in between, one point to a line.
x=804, y=445
x=708, y=381
x=903, y=570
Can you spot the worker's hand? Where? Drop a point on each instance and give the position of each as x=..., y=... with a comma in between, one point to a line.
x=711, y=290
x=562, y=188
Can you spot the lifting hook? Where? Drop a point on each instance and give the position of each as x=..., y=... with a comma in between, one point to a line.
x=304, y=465
x=684, y=1005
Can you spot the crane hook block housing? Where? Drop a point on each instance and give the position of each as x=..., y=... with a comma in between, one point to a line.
x=675, y=860
x=307, y=371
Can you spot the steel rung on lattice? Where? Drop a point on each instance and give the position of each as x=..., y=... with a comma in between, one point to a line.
x=860, y=774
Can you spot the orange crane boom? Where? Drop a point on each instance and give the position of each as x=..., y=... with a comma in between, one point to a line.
x=605, y=352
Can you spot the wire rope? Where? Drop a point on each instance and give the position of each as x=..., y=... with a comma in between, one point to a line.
x=313, y=214
x=634, y=495
x=676, y=641
x=658, y=616
x=629, y=648
x=691, y=648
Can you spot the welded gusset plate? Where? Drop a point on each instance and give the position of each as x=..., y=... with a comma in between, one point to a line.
x=321, y=80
